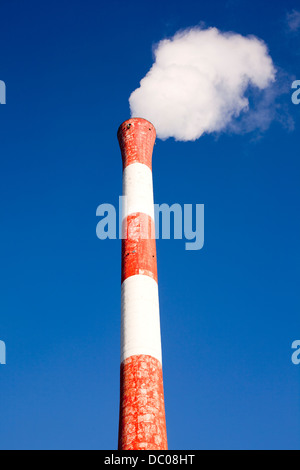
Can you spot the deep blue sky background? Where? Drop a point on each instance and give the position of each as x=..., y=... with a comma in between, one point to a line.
x=230, y=312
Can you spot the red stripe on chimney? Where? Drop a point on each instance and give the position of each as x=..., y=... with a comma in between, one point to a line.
x=139, y=247
x=142, y=412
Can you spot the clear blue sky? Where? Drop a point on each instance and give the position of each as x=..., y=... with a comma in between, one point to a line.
x=230, y=312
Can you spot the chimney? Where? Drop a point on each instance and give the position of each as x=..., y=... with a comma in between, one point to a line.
x=142, y=408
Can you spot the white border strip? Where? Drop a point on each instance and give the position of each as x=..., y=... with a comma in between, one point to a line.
x=140, y=325
x=138, y=189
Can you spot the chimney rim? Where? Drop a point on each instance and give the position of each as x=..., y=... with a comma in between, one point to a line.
x=135, y=119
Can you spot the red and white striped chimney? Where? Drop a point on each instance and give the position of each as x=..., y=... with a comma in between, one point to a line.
x=142, y=408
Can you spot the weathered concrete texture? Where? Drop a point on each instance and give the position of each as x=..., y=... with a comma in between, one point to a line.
x=139, y=247
x=136, y=138
x=142, y=411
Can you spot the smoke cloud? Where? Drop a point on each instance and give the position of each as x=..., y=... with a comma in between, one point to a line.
x=200, y=83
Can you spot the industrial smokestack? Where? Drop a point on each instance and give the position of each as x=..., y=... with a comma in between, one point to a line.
x=142, y=408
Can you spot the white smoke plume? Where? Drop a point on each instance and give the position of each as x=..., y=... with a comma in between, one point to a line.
x=199, y=82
